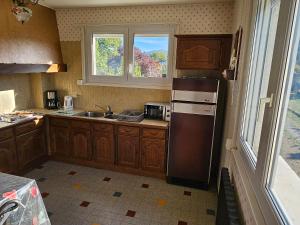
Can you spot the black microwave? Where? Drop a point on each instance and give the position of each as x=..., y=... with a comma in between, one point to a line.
x=157, y=111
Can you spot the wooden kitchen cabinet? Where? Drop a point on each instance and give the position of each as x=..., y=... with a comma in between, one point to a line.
x=8, y=157
x=128, y=151
x=203, y=52
x=153, y=155
x=30, y=147
x=60, y=141
x=120, y=146
x=153, y=150
x=81, y=143
x=103, y=143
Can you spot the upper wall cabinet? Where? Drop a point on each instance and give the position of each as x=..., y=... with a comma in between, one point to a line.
x=203, y=52
x=30, y=47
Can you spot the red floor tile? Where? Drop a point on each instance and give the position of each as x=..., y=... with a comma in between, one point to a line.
x=45, y=194
x=72, y=173
x=187, y=193
x=130, y=213
x=84, y=204
x=107, y=179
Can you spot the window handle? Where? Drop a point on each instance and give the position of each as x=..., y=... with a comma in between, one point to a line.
x=262, y=103
x=130, y=69
x=267, y=100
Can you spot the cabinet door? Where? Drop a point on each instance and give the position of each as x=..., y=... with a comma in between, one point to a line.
x=81, y=144
x=198, y=53
x=104, y=149
x=60, y=141
x=128, y=151
x=30, y=146
x=153, y=154
x=8, y=158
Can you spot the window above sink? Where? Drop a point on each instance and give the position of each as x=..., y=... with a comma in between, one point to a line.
x=130, y=55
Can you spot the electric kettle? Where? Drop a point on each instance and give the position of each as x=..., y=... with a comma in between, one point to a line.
x=68, y=103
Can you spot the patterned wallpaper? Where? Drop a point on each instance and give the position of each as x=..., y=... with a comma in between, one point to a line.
x=190, y=18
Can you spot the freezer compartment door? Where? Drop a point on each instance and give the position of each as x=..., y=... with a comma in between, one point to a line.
x=190, y=146
x=198, y=109
x=194, y=96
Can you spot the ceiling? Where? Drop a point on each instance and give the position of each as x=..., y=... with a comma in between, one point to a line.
x=101, y=3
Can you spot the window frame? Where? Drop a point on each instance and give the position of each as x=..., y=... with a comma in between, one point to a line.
x=152, y=29
x=255, y=69
x=272, y=214
x=128, y=31
x=89, y=59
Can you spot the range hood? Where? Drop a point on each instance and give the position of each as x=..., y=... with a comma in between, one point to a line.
x=32, y=47
x=14, y=68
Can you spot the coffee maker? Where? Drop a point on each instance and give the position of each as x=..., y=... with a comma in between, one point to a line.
x=51, y=99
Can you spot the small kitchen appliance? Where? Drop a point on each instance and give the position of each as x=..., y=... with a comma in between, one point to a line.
x=51, y=99
x=157, y=111
x=68, y=103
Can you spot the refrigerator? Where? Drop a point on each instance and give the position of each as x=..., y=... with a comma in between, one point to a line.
x=195, y=131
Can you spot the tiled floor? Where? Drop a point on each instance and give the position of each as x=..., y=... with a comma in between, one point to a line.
x=76, y=195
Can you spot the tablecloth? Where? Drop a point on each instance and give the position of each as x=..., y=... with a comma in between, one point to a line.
x=31, y=209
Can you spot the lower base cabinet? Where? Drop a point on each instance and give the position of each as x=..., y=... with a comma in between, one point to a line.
x=132, y=148
x=8, y=157
x=30, y=146
x=60, y=141
x=128, y=151
x=81, y=144
x=153, y=155
x=104, y=148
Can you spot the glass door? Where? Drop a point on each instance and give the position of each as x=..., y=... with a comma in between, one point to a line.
x=270, y=126
x=259, y=76
x=283, y=180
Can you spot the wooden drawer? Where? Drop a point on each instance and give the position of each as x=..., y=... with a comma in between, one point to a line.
x=104, y=127
x=27, y=127
x=154, y=133
x=129, y=131
x=6, y=134
x=59, y=122
x=80, y=124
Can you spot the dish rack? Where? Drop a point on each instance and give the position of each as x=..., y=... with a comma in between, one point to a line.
x=131, y=116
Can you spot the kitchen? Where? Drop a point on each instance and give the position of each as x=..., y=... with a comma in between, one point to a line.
x=130, y=112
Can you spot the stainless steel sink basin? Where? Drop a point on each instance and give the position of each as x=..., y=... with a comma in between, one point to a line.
x=91, y=114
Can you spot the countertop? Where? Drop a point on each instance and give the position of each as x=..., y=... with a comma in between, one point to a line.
x=60, y=113
x=7, y=125
x=145, y=122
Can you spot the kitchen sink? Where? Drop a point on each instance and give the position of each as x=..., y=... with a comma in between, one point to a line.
x=90, y=114
x=111, y=116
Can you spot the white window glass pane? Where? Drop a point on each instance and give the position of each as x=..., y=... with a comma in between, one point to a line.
x=259, y=76
x=151, y=55
x=284, y=180
x=108, y=54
